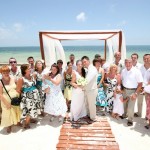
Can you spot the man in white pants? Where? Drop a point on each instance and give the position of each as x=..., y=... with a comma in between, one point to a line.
x=91, y=90
x=140, y=97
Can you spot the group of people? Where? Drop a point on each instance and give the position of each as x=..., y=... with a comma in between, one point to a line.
x=81, y=88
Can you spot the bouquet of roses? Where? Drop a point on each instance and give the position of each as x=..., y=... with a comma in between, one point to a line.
x=82, y=81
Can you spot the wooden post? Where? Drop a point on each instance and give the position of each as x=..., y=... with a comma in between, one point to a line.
x=120, y=41
x=41, y=47
x=105, y=49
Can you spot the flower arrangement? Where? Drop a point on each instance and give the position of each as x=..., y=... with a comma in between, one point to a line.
x=82, y=81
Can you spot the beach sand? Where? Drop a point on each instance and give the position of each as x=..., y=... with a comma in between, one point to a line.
x=44, y=135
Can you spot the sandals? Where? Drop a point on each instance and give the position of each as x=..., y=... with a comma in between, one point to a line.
x=147, y=126
x=27, y=126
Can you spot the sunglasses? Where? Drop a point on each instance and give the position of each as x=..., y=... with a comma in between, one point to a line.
x=13, y=62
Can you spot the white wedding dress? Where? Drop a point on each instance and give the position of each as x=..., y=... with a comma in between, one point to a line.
x=78, y=109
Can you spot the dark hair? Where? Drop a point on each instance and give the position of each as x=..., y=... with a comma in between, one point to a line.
x=135, y=54
x=96, y=60
x=97, y=55
x=43, y=66
x=55, y=66
x=83, y=72
x=31, y=57
x=68, y=63
x=23, y=68
x=85, y=57
x=59, y=61
x=71, y=54
x=146, y=55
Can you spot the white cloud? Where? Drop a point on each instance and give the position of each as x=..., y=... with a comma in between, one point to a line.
x=18, y=27
x=122, y=23
x=81, y=17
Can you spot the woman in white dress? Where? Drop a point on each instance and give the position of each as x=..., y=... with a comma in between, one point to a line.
x=78, y=109
x=55, y=104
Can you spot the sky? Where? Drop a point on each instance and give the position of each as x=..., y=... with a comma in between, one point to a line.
x=21, y=20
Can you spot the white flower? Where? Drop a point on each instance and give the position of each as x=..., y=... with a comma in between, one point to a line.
x=82, y=81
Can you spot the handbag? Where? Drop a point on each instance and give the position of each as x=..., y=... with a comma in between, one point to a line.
x=14, y=101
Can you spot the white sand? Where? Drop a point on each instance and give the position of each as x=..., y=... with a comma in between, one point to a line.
x=44, y=135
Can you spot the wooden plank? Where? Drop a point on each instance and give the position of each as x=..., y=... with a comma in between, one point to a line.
x=86, y=147
x=85, y=131
x=75, y=142
x=87, y=134
x=62, y=137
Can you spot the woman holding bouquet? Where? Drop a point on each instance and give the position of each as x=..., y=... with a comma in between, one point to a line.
x=78, y=109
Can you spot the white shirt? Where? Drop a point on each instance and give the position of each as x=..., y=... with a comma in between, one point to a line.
x=138, y=65
x=131, y=78
x=143, y=71
x=147, y=77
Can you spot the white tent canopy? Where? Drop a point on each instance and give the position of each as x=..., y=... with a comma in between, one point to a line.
x=52, y=50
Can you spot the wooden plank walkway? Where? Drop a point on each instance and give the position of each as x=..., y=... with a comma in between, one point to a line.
x=95, y=136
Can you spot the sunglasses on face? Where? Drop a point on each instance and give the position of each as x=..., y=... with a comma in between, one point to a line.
x=12, y=62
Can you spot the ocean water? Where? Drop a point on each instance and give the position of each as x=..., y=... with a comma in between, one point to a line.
x=22, y=53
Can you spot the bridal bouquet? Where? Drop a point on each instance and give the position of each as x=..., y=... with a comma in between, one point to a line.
x=82, y=81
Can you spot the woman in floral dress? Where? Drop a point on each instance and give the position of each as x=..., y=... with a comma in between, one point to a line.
x=39, y=67
x=55, y=104
x=101, y=97
x=30, y=103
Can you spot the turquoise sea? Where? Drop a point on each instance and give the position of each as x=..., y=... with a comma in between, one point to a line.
x=22, y=53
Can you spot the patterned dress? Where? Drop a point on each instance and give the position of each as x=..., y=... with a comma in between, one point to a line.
x=101, y=97
x=41, y=92
x=68, y=87
x=30, y=103
x=55, y=103
x=109, y=92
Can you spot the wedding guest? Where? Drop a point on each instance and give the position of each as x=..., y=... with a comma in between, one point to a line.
x=91, y=88
x=10, y=114
x=72, y=60
x=101, y=97
x=105, y=65
x=30, y=103
x=97, y=56
x=31, y=63
x=118, y=61
x=147, y=95
x=135, y=62
x=68, y=86
x=78, y=109
x=38, y=74
x=132, y=83
x=61, y=72
x=14, y=69
x=112, y=80
x=55, y=104
x=140, y=97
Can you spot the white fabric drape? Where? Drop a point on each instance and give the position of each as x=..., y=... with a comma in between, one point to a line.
x=53, y=51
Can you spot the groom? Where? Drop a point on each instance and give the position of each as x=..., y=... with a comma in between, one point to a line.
x=91, y=90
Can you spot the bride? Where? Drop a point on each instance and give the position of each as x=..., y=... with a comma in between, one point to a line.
x=78, y=109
